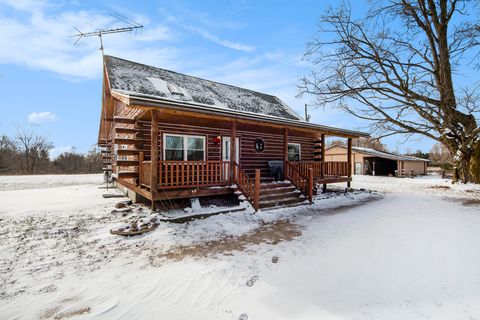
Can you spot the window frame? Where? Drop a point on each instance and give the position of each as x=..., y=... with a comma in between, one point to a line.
x=185, y=145
x=123, y=157
x=299, y=151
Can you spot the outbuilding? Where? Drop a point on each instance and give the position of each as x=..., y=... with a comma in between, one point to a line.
x=374, y=162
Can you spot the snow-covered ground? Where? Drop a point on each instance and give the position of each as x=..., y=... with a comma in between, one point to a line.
x=404, y=255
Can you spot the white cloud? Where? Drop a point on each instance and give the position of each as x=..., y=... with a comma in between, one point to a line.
x=37, y=118
x=222, y=42
x=42, y=37
x=55, y=152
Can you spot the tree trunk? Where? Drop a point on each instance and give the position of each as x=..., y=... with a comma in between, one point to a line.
x=466, y=168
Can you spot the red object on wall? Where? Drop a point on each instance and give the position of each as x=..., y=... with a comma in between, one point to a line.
x=217, y=139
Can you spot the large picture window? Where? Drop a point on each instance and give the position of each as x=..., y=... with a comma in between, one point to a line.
x=294, y=152
x=180, y=147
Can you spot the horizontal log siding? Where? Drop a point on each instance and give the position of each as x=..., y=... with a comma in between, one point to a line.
x=307, y=146
x=249, y=158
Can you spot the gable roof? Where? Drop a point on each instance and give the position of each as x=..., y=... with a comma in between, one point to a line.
x=382, y=154
x=139, y=80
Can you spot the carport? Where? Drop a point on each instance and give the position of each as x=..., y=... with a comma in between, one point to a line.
x=376, y=166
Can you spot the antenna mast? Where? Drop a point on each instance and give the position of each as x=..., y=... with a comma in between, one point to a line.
x=132, y=26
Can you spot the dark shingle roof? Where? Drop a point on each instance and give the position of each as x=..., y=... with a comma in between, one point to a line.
x=135, y=79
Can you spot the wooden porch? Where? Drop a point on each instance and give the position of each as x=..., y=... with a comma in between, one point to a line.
x=158, y=179
x=216, y=177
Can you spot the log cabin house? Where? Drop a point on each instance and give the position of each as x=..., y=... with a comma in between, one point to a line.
x=209, y=138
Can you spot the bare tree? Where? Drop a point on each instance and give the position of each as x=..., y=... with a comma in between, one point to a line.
x=439, y=154
x=7, y=155
x=360, y=142
x=369, y=143
x=70, y=162
x=94, y=160
x=33, y=151
x=395, y=68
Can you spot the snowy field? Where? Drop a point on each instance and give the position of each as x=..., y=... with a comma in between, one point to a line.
x=410, y=251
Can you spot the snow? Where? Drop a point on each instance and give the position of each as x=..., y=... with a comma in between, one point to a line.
x=131, y=78
x=431, y=184
x=411, y=253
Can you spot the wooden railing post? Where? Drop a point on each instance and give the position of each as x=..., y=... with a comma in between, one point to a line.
x=285, y=151
x=349, y=161
x=310, y=185
x=256, y=195
x=154, y=158
x=141, y=157
x=322, y=169
x=233, y=151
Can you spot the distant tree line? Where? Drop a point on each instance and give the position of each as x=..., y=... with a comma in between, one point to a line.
x=28, y=153
x=360, y=142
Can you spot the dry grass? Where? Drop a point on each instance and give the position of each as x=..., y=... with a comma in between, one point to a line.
x=269, y=233
x=73, y=313
x=440, y=187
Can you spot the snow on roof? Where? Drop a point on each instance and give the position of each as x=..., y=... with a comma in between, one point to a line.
x=135, y=79
x=382, y=154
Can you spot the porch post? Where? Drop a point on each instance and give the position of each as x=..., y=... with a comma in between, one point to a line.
x=285, y=151
x=233, y=152
x=256, y=195
x=349, y=161
x=322, y=171
x=154, y=158
x=310, y=185
x=141, y=157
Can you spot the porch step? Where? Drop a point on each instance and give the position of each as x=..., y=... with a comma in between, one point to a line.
x=291, y=205
x=284, y=189
x=282, y=202
x=275, y=194
x=274, y=185
x=279, y=195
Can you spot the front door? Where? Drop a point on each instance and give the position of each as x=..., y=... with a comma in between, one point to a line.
x=226, y=149
x=226, y=152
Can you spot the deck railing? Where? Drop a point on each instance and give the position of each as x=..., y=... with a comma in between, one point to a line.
x=322, y=169
x=245, y=183
x=301, y=177
x=192, y=174
x=144, y=173
x=336, y=168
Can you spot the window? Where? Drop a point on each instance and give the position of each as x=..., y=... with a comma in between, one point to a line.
x=195, y=150
x=179, y=147
x=293, y=152
x=123, y=157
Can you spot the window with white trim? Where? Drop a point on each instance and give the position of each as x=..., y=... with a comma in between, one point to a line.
x=123, y=157
x=294, y=153
x=182, y=147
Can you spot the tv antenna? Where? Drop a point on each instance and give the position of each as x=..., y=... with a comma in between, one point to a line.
x=131, y=27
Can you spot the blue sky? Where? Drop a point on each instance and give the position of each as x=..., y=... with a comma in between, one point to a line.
x=52, y=87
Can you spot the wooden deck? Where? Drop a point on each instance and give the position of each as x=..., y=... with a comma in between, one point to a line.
x=186, y=179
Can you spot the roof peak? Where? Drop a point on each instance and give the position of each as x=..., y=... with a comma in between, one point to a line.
x=190, y=76
x=141, y=80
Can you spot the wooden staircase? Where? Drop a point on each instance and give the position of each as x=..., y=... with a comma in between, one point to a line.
x=279, y=194
x=275, y=195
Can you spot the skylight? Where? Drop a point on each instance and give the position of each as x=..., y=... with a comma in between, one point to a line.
x=174, y=89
